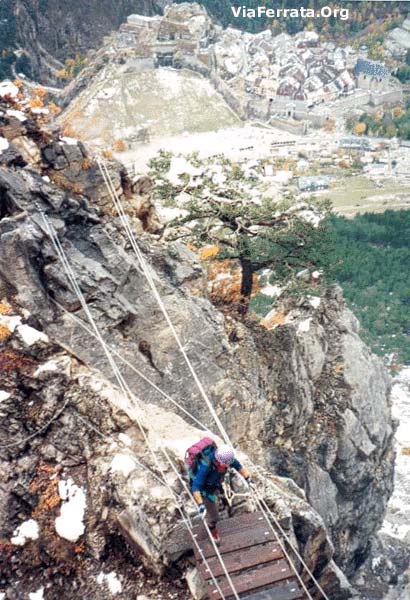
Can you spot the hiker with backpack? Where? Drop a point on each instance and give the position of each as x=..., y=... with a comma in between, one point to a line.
x=207, y=466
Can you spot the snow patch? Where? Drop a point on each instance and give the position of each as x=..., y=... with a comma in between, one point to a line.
x=69, y=525
x=4, y=144
x=50, y=365
x=159, y=492
x=304, y=326
x=169, y=214
x=180, y=166
x=40, y=111
x=11, y=322
x=311, y=217
x=122, y=463
x=17, y=114
x=38, y=595
x=30, y=335
x=70, y=141
x=4, y=396
x=7, y=88
x=125, y=439
x=271, y=290
x=218, y=178
x=112, y=580
x=138, y=484
x=314, y=301
x=26, y=531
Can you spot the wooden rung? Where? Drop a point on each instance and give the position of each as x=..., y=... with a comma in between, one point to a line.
x=242, y=559
x=252, y=579
x=242, y=521
x=235, y=540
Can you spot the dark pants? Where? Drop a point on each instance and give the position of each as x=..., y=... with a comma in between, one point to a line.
x=212, y=512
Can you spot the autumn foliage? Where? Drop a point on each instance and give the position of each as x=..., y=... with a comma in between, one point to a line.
x=119, y=146
x=224, y=281
x=360, y=128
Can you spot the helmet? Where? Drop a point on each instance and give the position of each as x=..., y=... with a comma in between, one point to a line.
x=224, y=455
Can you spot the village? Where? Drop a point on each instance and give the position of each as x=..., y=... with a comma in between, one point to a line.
x=260, y=75
x=275, y=104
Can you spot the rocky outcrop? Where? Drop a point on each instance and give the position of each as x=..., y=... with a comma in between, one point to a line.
x=306, y=399
x=334, y=393
x=66, y=162
x=55, y=31
x=76, y=481
x=82, y=493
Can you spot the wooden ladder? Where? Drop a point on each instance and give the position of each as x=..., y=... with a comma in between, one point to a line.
x=253, y=559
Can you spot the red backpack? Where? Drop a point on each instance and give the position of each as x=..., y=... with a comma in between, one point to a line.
x=199, y=451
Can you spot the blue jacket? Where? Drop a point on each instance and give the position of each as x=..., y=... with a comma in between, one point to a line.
x=208, y=479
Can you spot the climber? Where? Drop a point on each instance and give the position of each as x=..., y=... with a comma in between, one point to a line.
x=206, y=484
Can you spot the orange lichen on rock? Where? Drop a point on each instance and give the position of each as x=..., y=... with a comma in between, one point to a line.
x=4, y=332
x=47, y=488
x=40, y=92
x=273, y=319
x=54, y=108
x=37, y=98
x=224, y=281
x=49, y=498
x=61, y=180
x=208, y=252
x=87, y=163
x=68, y=130
x=11, y=361
x=5, y=308
x=36, y=102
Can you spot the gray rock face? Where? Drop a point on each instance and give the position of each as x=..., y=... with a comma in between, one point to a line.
x=80, y=431
x=336, y=425
x=306, y=400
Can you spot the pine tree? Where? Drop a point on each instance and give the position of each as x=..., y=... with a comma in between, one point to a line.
x=270, y=234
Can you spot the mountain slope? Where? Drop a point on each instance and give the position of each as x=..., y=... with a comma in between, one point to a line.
x=51, y=31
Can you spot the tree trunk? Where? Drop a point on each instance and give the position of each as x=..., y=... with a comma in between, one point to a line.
x=246, y=283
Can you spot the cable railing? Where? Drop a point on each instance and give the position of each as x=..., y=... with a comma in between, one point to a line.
x=134, y=400
x=142, y=262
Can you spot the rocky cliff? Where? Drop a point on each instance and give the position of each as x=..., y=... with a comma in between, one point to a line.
x=50, y=32
x=306, y=400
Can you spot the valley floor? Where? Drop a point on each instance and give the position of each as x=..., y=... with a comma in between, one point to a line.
x=349, y=194
x=247, y=142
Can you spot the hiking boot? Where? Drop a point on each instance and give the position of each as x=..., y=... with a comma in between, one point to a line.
x=215, y=536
